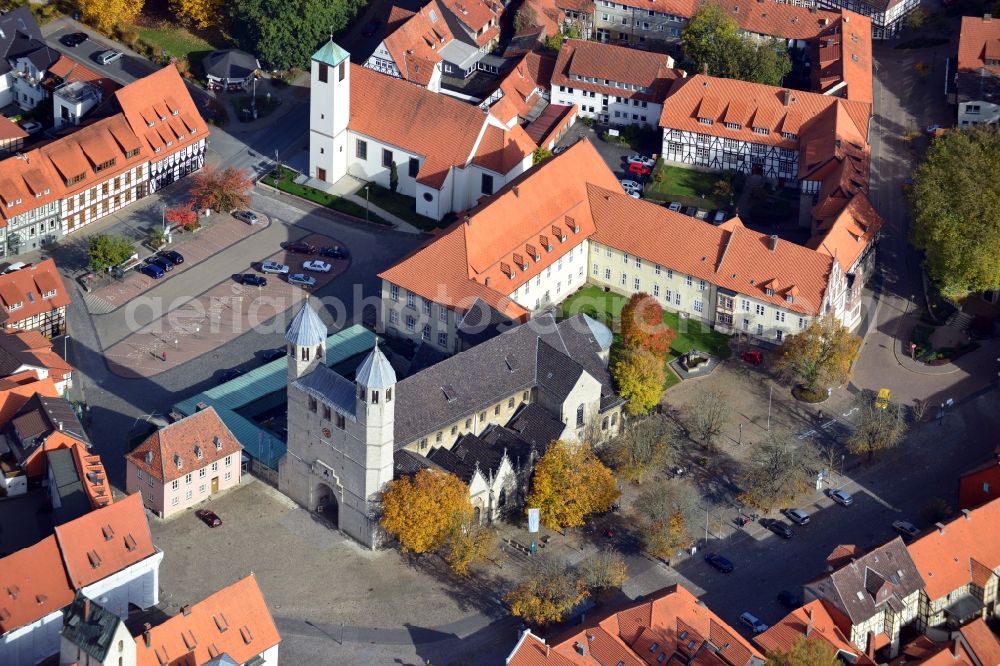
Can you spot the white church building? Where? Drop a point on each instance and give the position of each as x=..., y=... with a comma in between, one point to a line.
x=446, y=154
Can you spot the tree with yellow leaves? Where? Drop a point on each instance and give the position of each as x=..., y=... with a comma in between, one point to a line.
x=422, y=511
x=199, y=13
x=805, y=652
x=819, y=357
x=551, y=590
x=473, y=543
x=569, y=483
x=640, y=375
x=108, y=14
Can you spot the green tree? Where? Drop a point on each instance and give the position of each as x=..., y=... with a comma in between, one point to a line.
x=285, y=33
x=540, y=154
x=776, y=473
x=105, y=251
x=570, y=482
x=639, y=375
x=554, y=42
x=915, y=19
x=551, y=589
x=422, y=511
x=667, y=517
x=956, y=210
x=712, y=39
x=805, y=652
x=393, y=176
x=820, y=356
x=878, y=427
x=157, y=237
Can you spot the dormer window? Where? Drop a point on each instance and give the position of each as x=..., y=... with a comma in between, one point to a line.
x=769, y=291
x=156, y=150
x=790, y=298
x=761, y=130
x=792, y=136
x=178, y=461
x=733, y=126
x=15, y=306
x=198, y=453
x=49, y=294
x=176, y=112
x=150, y=123
x=131, y=153
x=217, y=442
x=704, y=121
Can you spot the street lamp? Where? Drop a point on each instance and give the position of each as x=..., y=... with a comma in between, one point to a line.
x=366, y=202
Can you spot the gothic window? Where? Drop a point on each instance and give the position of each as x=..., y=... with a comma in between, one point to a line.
x=579, y=416
x=305, y=353
x=312, y=404
x=374, y=397
x=388, y=395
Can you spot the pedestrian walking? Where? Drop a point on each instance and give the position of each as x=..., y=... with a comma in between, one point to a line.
x=164, y=357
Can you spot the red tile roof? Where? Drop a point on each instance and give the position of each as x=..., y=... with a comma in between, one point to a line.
x=978, y=40
x=522, y=86
x=776, y=19
x=640, y=633
x=105, y=541
x=501, y=150
x=90, y=469
x=13, y=396
x=31, y=348
x=984, y=643
x=815, y=623
x=159, y=102
x=416, y=40
x=32, y=584
x=953, y=557
x=842, y=58
x=775, y=109
x=450, y=128
x=24, y=290
x=477, y=15
x=607, y=62
x=67, y=69
x=234, y=621
x=846, y=234
x=551, y=123
x=979, y=485
x=10, y=130
x=181, y=442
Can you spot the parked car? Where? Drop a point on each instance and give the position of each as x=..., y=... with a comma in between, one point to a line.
x=32, y=127
x=73, y=39
x=152, y=270
x=334, y=252
x=269, y=355
x=631, y=186
x=797, y=516
x=316, y=266
x=300, y=248
x=208, y=517
x=162, y=262
x=789, y=599
x=842, y=497
x=230, y=375
x=906, y=529
x=752, y=357
x=559, y=149
x=253, y=280
x=641, y=159
x=109, y=57
x=302, y=280
x=719, y=562
x=247, y=216
x=751, y=620
x=674, y=206
x=175, y=258
x=274, y=267
x=372, y=27
x=639, y=169
x=779, y=528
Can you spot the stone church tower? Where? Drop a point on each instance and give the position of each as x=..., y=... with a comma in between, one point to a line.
x=340, y=433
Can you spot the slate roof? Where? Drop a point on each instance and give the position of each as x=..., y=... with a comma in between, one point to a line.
x=230, y=64
x=482, y=322
x=375, y=372
x=39, y=418
x=19, y=33
x=330, y=387
x=556, y=372
x=470, y=453
x=536, y=426
x=405, y=462
x=67, y=485
x=306, y=328
x=29, y=348
x=883, y=576
x=87, y=625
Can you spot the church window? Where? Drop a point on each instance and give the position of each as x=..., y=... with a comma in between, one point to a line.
x=438, y=437
x=468, y=424
x=525, y=396
x=614, y=418
x=510, y=404
x=323, y=72
x=604, y=423
x=496, y=410
x=454, y=430
x=305, y=353
x=312, y=404
x=340, y=421
x=341, y=71
x=579, y=416
x=374, y=397
x=326, y=413
x=388, y=394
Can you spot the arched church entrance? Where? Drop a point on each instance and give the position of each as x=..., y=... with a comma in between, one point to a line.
x=326, y=504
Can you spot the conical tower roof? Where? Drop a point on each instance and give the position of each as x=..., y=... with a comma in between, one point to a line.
x=306, y=329
x=375, y=372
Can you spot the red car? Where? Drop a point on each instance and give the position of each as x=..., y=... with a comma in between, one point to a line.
x=639, y=169
x=301, y=248
x=752, y=357
x=208, y=517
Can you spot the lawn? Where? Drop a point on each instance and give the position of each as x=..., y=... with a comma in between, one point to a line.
x=689, y=187
x=691, y=334
x=285, y=183
x=399, y=205
x=178, y=42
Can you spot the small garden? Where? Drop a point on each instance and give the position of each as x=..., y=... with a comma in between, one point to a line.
x=689, y=187
x=926, y=352
x=283, y=179
x=773, y=206
x=399, y=205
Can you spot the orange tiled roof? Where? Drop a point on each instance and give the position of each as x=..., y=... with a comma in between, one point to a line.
x=92, y=475
x=234, y=621
x=475, y=14
x=777, y=19
x=984, y=643
x=450, y=128
x=416, y=41
x=31, y=348
x=501, y=149
x=607, y=62
x=814, y=622
x=67, y=69
x=10, y=130
x=24, y=290
x=105, y=541
x=13, y=396
x=775, y=109
x=951, y=558
x=842, y=58
x=846, y=235
x=32, y=584
x=639, y=634
x=521, y=85
x=978, y=40
x=162, y=103
x=181, y=442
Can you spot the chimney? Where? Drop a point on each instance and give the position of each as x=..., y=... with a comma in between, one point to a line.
x=967, y=514
x=870, y=646
x=704, y=69
x=186, y=610
x=772, y=243
x=60, y=425
x=940, y=527
x=145, y=633
x=809, y=625
x=580, y=648
x=86, y=608
x=955, y=654
x=786, y=96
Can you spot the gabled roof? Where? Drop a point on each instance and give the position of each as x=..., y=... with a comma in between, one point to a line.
x=234, y=621
x=476, y=15
x=17, y=28
x=41, y=418
x=33, y=584
x=32, y=290
x=184, y=446
x=983, y=643
x=159, y=109
x=956, y=555
x=813, y=622
x=470, y=454
x=415, y=41
x=845, y=235
x=671, y=622
x=105, y=541
x=13, y=395
x=842, y=58
x=29, y=349
x=90, y=627
x=607, y=63
x=501, y=149
x=979, y=41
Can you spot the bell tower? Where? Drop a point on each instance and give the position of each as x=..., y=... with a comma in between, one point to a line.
x=329, y=112
x=306, y=338
x=375, y=405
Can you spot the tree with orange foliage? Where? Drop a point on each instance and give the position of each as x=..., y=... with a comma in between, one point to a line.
x=642, y=325
x=422, y=511
x=224, y=190
x=183, y=216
